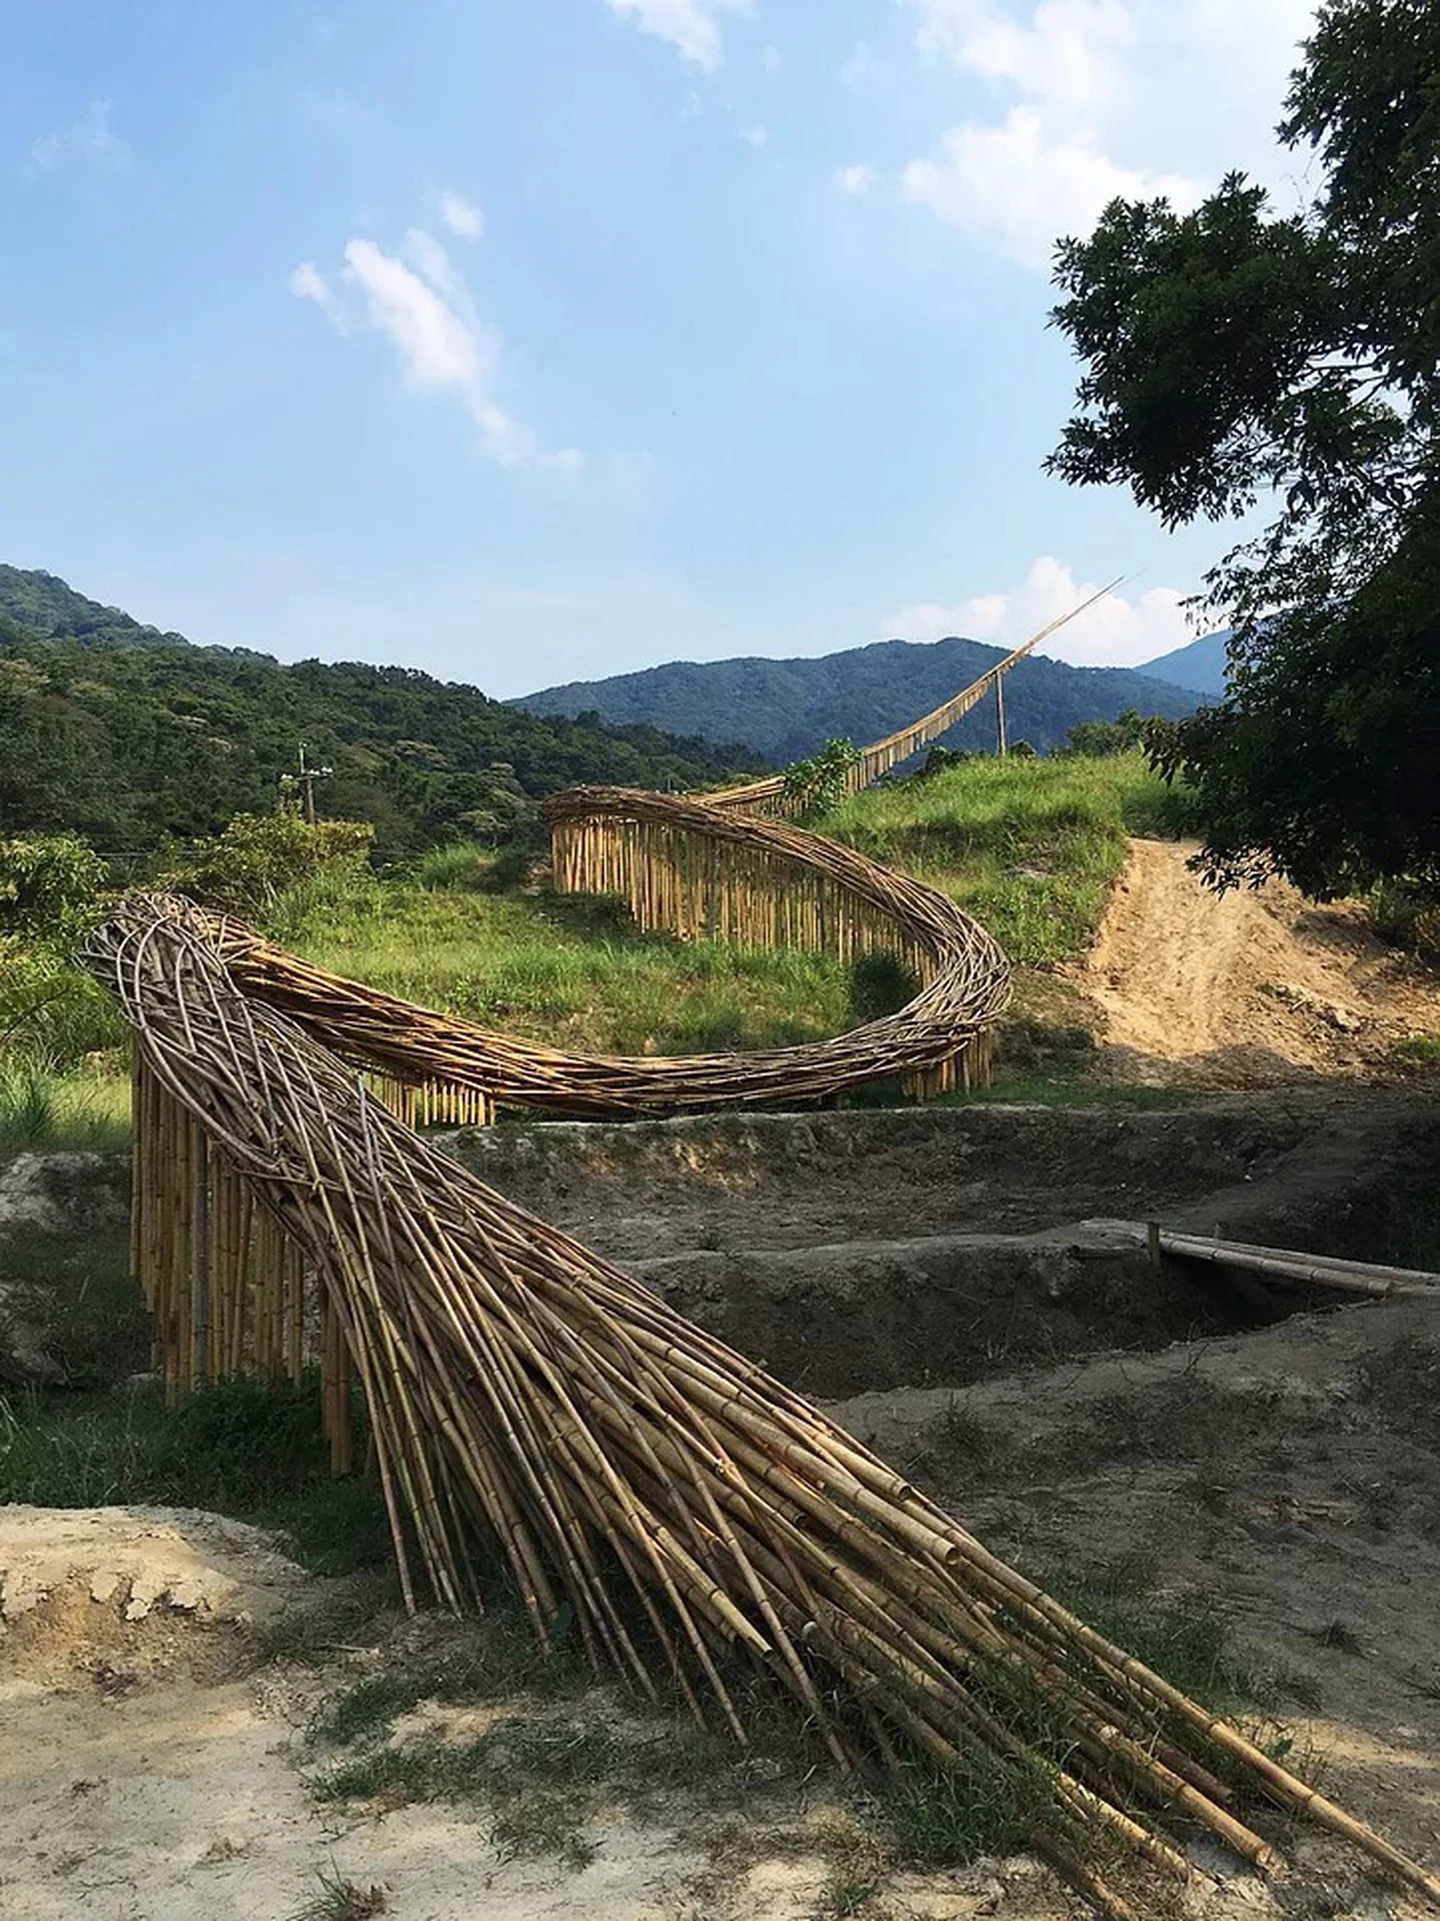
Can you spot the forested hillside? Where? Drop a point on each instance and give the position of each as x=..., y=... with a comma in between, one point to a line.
x=786, y=709
x=127, y=736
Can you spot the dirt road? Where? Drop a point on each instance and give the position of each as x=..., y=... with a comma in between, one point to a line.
x=1246, y=989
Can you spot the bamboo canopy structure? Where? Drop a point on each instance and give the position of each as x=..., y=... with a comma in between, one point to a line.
x=697, y=1520
x=770, y=795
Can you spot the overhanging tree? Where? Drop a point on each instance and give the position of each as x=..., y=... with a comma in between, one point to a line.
x=1236, y=355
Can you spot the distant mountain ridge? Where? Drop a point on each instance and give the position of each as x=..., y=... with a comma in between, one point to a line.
x=1200, y=666
x=50, y=609
x=785, y=709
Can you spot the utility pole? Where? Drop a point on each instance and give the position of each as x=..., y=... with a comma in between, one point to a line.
x=305, y=779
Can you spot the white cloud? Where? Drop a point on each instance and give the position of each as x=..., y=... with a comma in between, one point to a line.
x=858, y=179
x=1024, y=186
x=91, y=137
x=423, y=307
x=755, y=136
x=1116, y=632
x=461, y=216
x=691, y=26
x=1071, y=52
x=308, y=283
x=1104, y=102
x=856, y=65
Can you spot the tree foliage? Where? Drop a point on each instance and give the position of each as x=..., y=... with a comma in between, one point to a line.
x=1238, y=358
x=819, y=781
x=128, y=737
x=1103, y=738
x=247, y=867
x=51, y=888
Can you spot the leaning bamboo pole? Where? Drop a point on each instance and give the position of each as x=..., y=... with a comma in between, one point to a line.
x=693, y=1515
x=1294, y=1269
x=770, y=796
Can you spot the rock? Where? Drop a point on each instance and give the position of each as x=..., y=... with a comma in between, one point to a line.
x=65, y=1193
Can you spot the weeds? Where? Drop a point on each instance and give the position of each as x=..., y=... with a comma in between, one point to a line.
x=1029, y=847
x=337, y=1899
x=500, y=1658
x=70, y=1299
x=42, y=1108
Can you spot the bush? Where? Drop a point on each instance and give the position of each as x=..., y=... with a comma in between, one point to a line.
x=1102, y=738
x=51, y=889
x=259, y=857
x=822, y=780
x=880, y=984
x=51, y=1015
x=1407, y=913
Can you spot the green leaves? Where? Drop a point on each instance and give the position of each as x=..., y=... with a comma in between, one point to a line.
x=1233, y=356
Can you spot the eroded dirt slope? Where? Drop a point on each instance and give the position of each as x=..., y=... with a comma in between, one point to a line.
x=1251, y=988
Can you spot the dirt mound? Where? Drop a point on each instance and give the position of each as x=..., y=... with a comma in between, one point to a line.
x=108, y=1592
x=1253, y=988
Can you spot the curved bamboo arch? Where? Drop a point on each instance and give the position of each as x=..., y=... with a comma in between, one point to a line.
x=699, y=1523
x=692, y=869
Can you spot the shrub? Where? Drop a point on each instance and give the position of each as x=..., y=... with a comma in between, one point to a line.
x=1407, y=912
x=259, y=857
x=51, y=888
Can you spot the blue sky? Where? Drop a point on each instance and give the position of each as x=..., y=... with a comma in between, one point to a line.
x=526, y=343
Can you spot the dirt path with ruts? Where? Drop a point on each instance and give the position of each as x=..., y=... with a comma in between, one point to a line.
x=1256, y=987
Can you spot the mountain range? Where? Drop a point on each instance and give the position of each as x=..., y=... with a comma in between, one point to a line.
x=1200, y=666
x=786, y=709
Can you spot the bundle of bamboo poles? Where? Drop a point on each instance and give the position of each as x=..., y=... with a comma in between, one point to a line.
x=694, y=871
x=693, y=1515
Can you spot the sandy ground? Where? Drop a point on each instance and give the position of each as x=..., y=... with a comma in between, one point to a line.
x=1251, y=988
x=1290, y=1476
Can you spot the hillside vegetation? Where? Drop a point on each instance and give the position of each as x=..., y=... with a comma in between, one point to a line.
x=786, y=709
x=127, y=737
x=1031, y=848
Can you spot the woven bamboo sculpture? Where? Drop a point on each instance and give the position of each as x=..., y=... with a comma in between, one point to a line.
x=696, y=1516
x=693, y=870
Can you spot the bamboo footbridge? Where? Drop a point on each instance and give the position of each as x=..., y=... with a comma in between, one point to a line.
x=699, y=1527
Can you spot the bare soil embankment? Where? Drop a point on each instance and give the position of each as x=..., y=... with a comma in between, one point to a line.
x=1252, y=988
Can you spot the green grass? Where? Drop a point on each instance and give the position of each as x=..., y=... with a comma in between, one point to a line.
x=43, y=1108
x=73, y=1295
x=575, y=973
x=500, y=1657
x=240, y=1448
x=1030, y=847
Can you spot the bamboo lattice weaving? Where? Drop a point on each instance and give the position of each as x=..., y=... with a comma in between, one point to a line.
x=695, y=871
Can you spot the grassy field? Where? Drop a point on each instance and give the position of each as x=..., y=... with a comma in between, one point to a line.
x=571, y=972
x=1030, y=847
